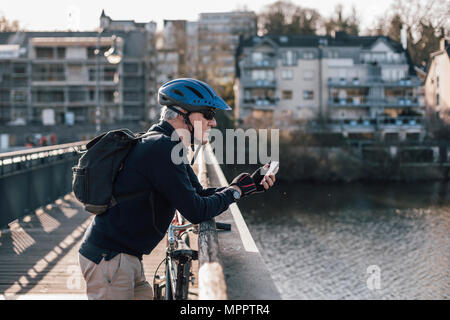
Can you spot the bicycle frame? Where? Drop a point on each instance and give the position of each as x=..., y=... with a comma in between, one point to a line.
x=178, y=262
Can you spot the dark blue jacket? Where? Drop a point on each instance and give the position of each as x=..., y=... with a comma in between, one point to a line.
x=132, y=226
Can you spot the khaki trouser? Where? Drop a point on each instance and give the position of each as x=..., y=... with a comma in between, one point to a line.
x=121, y=278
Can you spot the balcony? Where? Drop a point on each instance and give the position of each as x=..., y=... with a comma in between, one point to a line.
x=260, y=103
x=362, y=101
x=259, y=83
x=401, y=102
x=404, y=83
x=265, y=63
x=48, y=77
x=401, y=121
x=368, y=125
x=349, y=102
x=372, y=81
x=362, y=122
x=384, y=60
x=348, y=83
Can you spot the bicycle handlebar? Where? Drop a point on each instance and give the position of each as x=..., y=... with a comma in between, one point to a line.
x=179, y=227
x=172, y=227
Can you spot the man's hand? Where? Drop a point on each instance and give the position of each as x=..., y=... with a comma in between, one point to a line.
x=245, y=184
x=262, y=181
x=257, y=182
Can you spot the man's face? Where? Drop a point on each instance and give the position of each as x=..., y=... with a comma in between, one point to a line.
x=201, y=126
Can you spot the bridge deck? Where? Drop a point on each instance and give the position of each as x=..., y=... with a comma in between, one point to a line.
x=39, y=254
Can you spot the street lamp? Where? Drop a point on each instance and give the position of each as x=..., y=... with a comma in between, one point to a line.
x=113, y=57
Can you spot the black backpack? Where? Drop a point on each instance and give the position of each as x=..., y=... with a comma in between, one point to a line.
x=99, y=166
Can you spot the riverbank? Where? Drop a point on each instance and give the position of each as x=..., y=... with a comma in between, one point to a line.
x=309, y=159
x=346, y=164
x=325, y=165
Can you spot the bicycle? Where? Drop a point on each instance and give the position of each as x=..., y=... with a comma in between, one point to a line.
x=174, y=285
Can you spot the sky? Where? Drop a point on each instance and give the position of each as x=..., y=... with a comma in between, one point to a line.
x=49, y=15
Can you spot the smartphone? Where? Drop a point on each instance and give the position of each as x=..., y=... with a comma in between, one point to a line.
x=272, y=168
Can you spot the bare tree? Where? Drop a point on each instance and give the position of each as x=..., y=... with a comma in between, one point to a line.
x=284, y=17
x=425, y=23
x=339, y=22
x=6, y=25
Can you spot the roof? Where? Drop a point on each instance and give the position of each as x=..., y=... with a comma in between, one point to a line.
x=340, y=40
x=132, y=45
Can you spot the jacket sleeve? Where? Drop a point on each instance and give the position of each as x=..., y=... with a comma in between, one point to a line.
x=173, y=182
x=197, y=185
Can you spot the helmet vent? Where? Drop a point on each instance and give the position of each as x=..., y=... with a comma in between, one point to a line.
x=195, y=91
x=178, y=92
x=207, y=89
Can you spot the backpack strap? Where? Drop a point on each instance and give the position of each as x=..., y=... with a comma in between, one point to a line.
x=119, y=199
x=147, y=134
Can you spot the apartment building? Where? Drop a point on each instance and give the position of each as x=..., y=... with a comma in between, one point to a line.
x=218, y=38
x=362, y=87
x=437, y=84
x=53, y=78
x=171, y=51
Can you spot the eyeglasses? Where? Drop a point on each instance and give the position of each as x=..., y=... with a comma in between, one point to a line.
x=208, y=114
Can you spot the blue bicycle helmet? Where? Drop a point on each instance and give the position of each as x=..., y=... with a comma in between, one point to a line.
x=190, y=94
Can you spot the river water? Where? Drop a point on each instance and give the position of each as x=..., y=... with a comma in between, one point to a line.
x=354, y=241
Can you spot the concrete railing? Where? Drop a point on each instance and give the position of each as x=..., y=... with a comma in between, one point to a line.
x=211, y=280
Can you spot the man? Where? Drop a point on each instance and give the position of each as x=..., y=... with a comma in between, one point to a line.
x=110, y=256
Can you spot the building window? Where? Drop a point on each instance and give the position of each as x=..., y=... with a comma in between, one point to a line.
x=437, y=99
x=287, y=74
x=108, y=96
x=108, y=74
x=92, y=74
x=286, y=94
x=49, y=96
x=60, y=52
x=308, y=55
x=77, y=95
x=20, y=68
x=44, y=53
x=262, y=75
x=333, y=54
x=308, y=95
x=289, y=58
x=48, y=72
x=257, y=57
x=130, y=68
x=283, y=39
x=19, y=95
